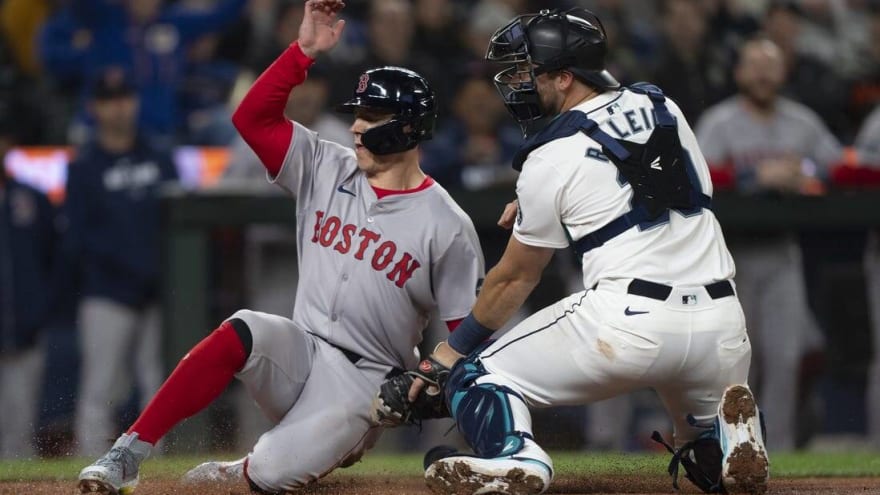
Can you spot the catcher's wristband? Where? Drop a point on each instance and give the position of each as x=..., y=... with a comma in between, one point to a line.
x=468, y=335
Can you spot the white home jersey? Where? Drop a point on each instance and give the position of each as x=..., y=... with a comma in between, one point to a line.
x=569, y=189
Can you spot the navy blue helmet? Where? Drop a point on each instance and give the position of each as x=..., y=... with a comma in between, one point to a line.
x=533, y=44
x=404, y=94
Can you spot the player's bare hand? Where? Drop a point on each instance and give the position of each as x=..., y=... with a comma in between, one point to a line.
x=508, y=216
x=320, y=29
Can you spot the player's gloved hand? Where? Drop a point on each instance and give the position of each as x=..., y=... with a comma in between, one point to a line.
x=392, y=406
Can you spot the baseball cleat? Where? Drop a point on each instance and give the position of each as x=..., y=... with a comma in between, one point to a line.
x=116, y=473
x=437, y=453
x=745, y=467
x=216, y=472
x=466, y=475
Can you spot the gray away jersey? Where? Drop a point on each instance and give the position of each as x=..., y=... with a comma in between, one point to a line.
x=372, y=271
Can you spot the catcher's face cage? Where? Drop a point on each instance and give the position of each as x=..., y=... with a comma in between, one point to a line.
x=516, y=83
x=511, y=45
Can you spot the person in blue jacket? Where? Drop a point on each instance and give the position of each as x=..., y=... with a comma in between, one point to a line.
x=145, y=38
x=27, y=253
x=114, y=213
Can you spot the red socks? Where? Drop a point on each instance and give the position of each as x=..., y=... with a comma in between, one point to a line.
x=200, y=377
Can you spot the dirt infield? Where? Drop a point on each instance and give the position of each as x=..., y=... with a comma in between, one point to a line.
x=378, y=485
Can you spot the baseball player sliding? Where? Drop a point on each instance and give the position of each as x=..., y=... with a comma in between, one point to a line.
x=381, y=248
x=617, y=175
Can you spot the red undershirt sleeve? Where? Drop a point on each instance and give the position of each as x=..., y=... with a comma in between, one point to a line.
x=452, y=324
x=260, y=118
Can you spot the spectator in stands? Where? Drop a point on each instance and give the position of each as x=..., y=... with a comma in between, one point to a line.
x=692, y=71
x=484, y=19
x=20, y=20
x=204, y=95
x=809, y=80
x=113, y=209
x=474, y=148
x=27, y=254
x=438, y=31
x=864, y=92
x=287, y=17
x=770, y=145
x=868, y=147
x=20, y=85
x=391, y=41
x=867, y=142
x=145, y=38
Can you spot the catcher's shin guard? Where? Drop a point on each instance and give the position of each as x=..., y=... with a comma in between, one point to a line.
x=491, y=423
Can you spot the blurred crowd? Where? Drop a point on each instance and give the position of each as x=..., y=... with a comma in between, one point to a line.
x=782, y=96
x=191, y=59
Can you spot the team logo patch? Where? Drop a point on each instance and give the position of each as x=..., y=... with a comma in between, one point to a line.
x=362, y=83
x=519, y=214
x=425, y=366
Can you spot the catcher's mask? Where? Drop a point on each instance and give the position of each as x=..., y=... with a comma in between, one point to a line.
x=551, y=40
x=404, y=94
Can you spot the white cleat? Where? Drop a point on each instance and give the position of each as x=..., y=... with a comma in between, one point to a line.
x=745, y=467
x=116, y=473
x=216, y=472
x=465, y=475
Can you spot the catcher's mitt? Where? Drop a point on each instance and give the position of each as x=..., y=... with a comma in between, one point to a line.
x=392, y=407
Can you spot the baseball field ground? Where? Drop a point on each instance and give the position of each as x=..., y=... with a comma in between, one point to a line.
x=400, y=474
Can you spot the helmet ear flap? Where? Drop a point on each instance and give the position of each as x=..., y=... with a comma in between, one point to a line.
x=390, y=137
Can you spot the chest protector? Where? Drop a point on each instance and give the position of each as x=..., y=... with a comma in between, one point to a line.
x=659, y=171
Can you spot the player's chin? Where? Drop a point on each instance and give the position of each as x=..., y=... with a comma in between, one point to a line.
x=365, y=160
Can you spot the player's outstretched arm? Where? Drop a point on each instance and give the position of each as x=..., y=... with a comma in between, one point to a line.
x=259, y=117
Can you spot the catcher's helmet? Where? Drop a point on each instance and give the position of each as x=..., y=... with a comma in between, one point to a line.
x=403, y=93
x=573, y=40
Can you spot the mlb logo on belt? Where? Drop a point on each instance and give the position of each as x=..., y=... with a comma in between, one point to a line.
x=689, y=299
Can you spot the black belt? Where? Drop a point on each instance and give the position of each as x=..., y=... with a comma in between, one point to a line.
x=354, y=357
x=643, y=288
x=350, y=355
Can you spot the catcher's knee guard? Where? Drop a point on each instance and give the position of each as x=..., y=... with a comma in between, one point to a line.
x=484, y=411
